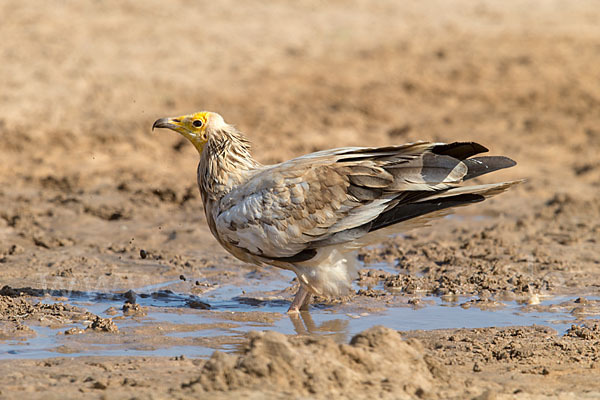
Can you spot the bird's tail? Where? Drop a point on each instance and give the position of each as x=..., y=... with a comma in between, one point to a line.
x=428, y=187
x=419, y=212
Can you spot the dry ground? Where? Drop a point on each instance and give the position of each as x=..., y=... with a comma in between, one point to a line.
x=85, y=185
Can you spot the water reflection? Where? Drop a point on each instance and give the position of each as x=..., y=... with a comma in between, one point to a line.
x=174, y=324
x=304, y=324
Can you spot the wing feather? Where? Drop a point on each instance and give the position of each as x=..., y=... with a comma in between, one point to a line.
x=283, y=210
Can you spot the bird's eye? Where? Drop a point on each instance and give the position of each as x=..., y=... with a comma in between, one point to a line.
x=197, y=123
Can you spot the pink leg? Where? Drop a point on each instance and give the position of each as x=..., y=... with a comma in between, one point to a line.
x=301, y=301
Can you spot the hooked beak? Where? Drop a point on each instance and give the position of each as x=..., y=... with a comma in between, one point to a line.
x=168, y=123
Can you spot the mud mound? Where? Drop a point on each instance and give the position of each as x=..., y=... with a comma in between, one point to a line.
x=589, y=331
x=377, y=363
x=15, y=310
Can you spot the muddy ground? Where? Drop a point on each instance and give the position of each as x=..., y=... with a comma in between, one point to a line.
x=92, y=201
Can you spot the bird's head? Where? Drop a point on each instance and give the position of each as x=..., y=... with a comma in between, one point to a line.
x=195, y=127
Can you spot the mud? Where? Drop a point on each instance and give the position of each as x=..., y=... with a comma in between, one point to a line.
x=16, y=310
x=528, y=362
x=103, y=243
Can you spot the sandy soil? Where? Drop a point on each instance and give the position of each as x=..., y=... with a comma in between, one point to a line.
x=85, y=186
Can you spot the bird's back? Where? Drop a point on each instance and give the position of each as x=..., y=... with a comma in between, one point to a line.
x=285, y=212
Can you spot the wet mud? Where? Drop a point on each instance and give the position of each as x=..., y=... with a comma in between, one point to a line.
x=113, y=287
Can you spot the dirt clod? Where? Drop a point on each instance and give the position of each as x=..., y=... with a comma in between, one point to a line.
x=103, y=325
x=273, y=360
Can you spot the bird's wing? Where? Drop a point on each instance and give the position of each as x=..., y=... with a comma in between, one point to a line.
x=285, y=211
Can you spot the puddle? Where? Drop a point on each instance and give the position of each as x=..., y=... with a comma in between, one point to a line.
x=174, y=322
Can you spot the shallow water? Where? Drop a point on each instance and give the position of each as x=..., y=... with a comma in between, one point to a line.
x=172, y=327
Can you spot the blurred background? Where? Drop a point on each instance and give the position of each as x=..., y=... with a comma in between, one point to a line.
x=82, y=82
x=90, y=78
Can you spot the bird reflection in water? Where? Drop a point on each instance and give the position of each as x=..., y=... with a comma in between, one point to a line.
x=305, y=325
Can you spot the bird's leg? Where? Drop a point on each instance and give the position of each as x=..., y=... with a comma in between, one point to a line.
x=306, y=302
x=301, y=301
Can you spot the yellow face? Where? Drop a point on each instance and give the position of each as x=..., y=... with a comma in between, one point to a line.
x=192, y=126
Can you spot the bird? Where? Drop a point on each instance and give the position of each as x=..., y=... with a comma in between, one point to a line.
x=312, y=214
